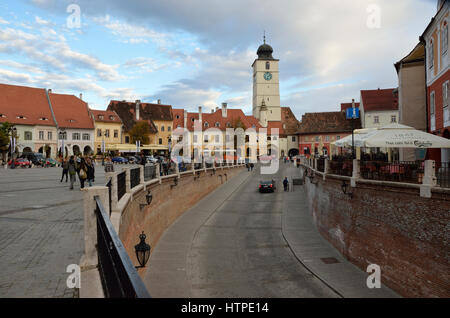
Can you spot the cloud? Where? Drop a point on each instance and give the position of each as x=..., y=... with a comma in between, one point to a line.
x=7, y=76
x=143, y=65
x=41, y=21
x=2, y=21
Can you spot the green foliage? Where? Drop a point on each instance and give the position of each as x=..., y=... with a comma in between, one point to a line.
x=140, y=131
x=5, y=132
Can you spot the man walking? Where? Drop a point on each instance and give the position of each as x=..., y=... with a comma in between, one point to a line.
x=72, y=171
x=286, y=184
x=65, y=167
x=90, y=171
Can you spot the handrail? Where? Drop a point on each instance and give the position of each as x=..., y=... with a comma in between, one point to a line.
x=118, y=274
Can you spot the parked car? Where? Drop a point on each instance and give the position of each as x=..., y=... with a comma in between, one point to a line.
x=133, y=160
x=36, y=158
x=267, y=186
x=20, y=162
x=49, y=162
x=119, y=160
x=151, y=159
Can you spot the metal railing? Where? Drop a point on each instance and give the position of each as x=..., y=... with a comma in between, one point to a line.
x=149, y=172
x=118, y=275
x=109, y=185
x=121, y=185
x=321, y=164
x=400, y=171
x=342, y=167
x=135, y=177
x=443, y=174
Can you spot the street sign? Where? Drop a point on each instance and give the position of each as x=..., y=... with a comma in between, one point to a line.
x=352, y=113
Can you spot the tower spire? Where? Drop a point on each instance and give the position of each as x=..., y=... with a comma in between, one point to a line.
x=264, y=36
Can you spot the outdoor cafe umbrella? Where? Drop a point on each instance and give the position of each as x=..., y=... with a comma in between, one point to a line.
x=401, y=136
x=359, y=134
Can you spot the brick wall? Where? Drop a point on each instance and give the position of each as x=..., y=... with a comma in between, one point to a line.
x=167, y=205
x=406, y=235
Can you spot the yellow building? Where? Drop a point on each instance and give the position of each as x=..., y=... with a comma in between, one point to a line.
x=108, y=129
x=158, y=116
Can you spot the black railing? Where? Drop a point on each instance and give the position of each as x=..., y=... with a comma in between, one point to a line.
x=400, y=171
x=443, y=174
x=321, y=165
x=149, y=172
x=109, y=185
x=118, y=275
x=121, y=185
x=342, y=167
x=135, y=177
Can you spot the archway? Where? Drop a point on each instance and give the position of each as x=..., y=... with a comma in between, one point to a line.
x=76, y=150
x=48, y=151
x=87, y=151
x=293, y=152
x=27, y=149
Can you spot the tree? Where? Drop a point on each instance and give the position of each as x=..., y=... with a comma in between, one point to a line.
x=5, y=132
x=140, y=132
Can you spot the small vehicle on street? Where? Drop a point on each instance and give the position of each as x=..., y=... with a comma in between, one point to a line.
x=20, y=162
x=267, y=186
x=119, y=160
x=50, y=162
x=36, y=158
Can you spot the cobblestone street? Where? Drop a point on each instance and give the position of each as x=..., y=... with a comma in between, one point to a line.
x=41, y=232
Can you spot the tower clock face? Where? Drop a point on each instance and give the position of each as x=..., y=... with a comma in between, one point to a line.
x=267, y=76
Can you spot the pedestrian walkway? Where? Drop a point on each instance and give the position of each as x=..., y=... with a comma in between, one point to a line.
x=311, y=248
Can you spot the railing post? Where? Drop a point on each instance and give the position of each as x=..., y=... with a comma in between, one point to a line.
x=325, y=167
x=356, y=173
x=114, y=196
x=193, y=166
x=158, y=172
x=177, y=169
x=141, y=174
x=315, y=164
x=128, y=179
x=429, y=179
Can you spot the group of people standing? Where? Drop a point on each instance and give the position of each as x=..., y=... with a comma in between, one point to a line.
x=83, y=167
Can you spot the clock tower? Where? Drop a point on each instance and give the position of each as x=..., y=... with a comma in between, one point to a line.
x=266, y=85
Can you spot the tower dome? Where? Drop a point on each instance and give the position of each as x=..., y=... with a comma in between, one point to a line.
x=265, y=51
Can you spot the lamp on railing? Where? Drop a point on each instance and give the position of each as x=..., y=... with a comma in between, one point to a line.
x=148, y=199
x=345, y=189
x=142, y=251
x=197, y=175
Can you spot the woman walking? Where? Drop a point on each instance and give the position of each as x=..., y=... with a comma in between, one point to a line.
x=72, y=171
x=83, y=172
x=90, y=172
x=65, y=167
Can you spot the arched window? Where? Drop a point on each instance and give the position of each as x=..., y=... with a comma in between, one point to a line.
x=217, y=124
x=206, y=124
x=267, y=65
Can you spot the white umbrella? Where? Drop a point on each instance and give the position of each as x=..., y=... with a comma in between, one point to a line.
x=359, y=135
x=401, y=136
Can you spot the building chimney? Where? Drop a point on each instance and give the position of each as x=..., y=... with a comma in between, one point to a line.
x=81, y=96
x=217, y=108
x=159, y=102
x=185, y=118
x=138, y=104
x=200, y=114
x=49, y=90
x=224, y=110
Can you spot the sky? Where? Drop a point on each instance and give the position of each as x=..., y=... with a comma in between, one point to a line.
x=191, y=53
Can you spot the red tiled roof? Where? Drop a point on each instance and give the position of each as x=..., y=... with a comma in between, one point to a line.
x=233, y=116
x=327, y=122
x=105, y=116
x=345, y=106
x=379, y=99
x=29, y=102
x=71, y=112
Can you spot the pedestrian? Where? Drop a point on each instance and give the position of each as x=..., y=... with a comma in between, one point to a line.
x=252, y=166
x=90, y=172
x=286, y=184
x=72, y=169
x=83, y=172
x=77, y=165
x=65, y=171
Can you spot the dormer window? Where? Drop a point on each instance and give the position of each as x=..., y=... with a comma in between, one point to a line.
x=206, y=124
x=2, y=116
x=71, y=120
x=43, y=118
x=21, y=117
x=217, y=124
x=228, y=125
x=100, y=117
x=112, y=117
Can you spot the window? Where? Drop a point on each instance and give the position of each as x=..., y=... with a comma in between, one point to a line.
x=393, y=119
x=192, y=119
x=217, y=124
x=86, y=137
x=76, y=136
x=99, y=132
x=162, y=128
x=160, y=141
x=2, y=116
x=127, y=139
x=112, y=117
x=267, y=65
x=217, y=138
x=206, y=124
x=293, y=138
x=274, y=138
x=28, y=135
x=116, y=133
x=178, y=116
x=445, y=94
x=107, y=133
x=195, y=138
x=205, y=139
x=169, y=128
x=41, y=135
x=432, y=103
x=376, y=119
x=63, y=135
x=444, y=38
x=43, y=118
x=49, y=135
x=100, y=117
x=431, y=54
x=317, y=138
x=338, y=137
x=228, y=125
x=327, y=138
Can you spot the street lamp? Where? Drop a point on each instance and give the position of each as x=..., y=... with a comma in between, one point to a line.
x=142, y=251
x=148, y=199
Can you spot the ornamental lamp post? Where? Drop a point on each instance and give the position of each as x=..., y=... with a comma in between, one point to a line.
x=142, y=251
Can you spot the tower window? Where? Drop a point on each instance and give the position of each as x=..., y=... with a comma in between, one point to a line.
x=267, y=65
